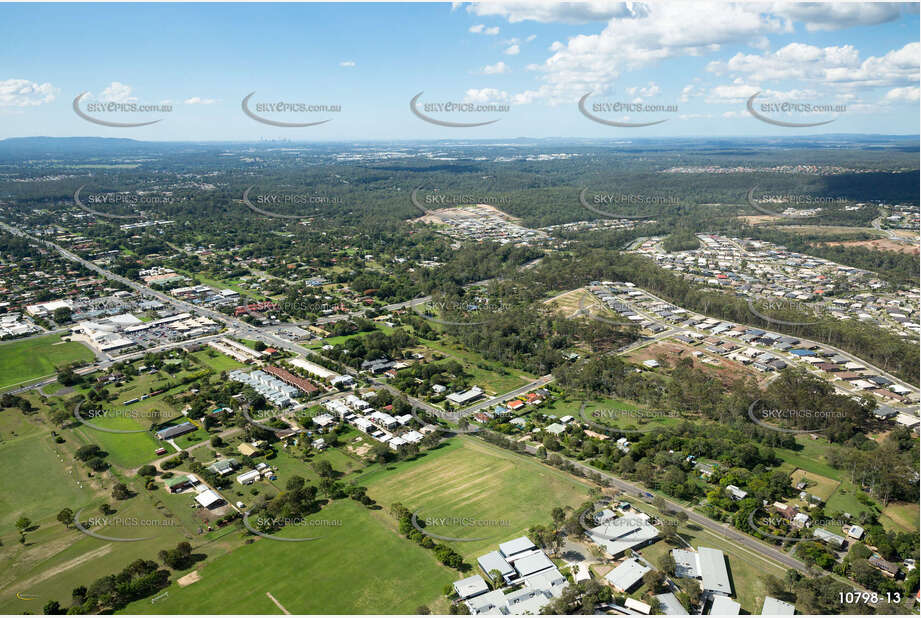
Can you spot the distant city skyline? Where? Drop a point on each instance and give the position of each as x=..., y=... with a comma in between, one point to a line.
x=217, y=72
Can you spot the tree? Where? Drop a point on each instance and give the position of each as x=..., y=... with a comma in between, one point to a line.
x=53, y=607
x=423, y=610
x=121, y=492
x=66, y=516
x=324, y=469
x=147, y=470
x=23, y=524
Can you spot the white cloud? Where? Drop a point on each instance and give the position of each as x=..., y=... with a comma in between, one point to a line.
x=838, y=15
x=25, y=93
x=482, y=29
x=513, y=50
x=199, y=101
x=496, y=69
x=840, y=67
x=908, y=94
x=546, y=11
x=485, y=95
x=530, y=38
x=646, y=35
x=117, y=92
x=347, y=63
x=648, y=91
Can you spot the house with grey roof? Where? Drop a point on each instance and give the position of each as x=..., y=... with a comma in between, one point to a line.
x=495, y=561
x=627, y=574
x=724, y=606
x=776, y=607
x=670, y=605
x=470, y=587
x=707, y=564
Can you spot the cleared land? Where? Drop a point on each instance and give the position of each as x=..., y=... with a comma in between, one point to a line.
x=505, y=492
x=358, y=567
x=36, y=357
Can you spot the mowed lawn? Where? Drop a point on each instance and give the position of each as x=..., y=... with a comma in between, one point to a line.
x=360, y=567
x=35, y=484
x=28, y=359
x=468, y=478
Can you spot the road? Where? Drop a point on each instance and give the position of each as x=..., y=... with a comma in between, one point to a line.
x=719, y=529
x=843, y=353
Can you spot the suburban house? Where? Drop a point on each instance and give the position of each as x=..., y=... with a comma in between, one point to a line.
x=627, y=574
x=776, y=607
x=467, y=396
x=209, y=499
x=706, y=564
x=175, y=431
x=724, y=606
x=519, y=562
x=670, y=605
x=618, y=534
x=834, y=540
x=735, y=492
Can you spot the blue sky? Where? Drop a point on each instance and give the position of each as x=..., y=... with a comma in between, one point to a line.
x=703, y=59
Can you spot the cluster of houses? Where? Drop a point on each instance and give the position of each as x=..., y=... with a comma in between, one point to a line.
x=275, y=390
x=382, y=426
x=482, y=223
x=759, y=269
x=206, y=295
x=516, y=405
x=763, y=350
x=524, y=578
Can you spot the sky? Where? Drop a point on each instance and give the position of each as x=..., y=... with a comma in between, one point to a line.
x=689, y=67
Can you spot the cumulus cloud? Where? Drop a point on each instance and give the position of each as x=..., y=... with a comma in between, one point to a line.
x=546, y=12
x=199, y=101
x=650, y=90
x=117, y=92
x=513, y=50
x=908, y=94
x=485, y=95
x=644, y=36
x=25, y=93
x=831, y=66
x=482, y=29
x=347, y=63
x=835, y=16
x=496, y=69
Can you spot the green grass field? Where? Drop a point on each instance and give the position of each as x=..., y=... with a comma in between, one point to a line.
x=358, y=567
x=472, y=479
x=36, y=484
x=28, y=359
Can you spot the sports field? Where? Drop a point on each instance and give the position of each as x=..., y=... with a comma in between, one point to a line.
x=505, y=493
x=36, y=357
x=358, y=567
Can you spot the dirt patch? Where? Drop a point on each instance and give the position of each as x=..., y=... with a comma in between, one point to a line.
x=883, y=244
x=756, y=219
x=727, y=371
x=70, y=564
x=187, y=579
